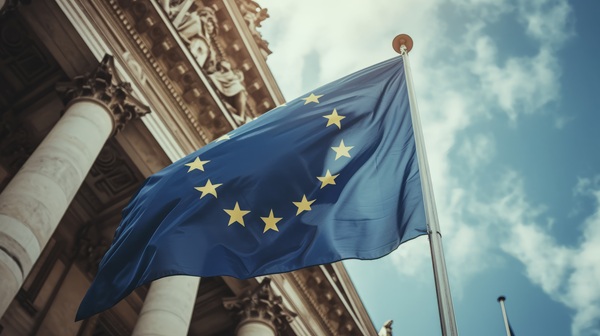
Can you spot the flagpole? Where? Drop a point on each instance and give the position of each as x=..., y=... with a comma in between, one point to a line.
x=402, y=44
x=506, y=325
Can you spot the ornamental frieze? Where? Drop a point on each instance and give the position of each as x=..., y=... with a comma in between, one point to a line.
x=223, y=64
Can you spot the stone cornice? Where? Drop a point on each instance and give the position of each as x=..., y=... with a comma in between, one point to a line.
x=105, y=27
x=160, y=63
x=351, y=296
x=188, y=83
x=317, y=288
x=149, y=50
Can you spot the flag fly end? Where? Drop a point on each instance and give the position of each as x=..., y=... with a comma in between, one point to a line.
x=402, y=40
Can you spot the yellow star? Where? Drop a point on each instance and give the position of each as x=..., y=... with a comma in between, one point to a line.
x=334, y=119
x=270, y=222
x=312, y=99
x=236, y=214
x=303, y=205
x=224, y=137
x=209, y=188
x=196, y=164
x=327, y=179
x=342, y=150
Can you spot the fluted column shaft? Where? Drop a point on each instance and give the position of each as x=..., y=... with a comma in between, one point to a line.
x=168, y=307
x=35, y=200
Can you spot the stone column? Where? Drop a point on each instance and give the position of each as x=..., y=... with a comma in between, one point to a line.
x=260, y=311
x=35, y=200
x=168, y=307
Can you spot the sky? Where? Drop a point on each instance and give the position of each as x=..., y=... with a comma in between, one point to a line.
x=508, y=93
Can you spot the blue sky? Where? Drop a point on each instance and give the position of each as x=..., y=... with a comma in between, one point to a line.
x=509, y=95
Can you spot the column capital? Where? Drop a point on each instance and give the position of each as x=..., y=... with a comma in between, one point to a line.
x=104, y=86
x=260, y=305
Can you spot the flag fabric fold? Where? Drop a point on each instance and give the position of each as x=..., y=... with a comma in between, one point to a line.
x=329, y=176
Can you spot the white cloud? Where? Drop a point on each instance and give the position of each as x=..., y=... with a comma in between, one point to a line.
x=522, y=84
x=567, y=274
x=583, y=288
x=477, y=151
x=461, y=79
x=585, y=184
x=458, y=79
x=347, y=36
x=547, y=21
x=561, y=121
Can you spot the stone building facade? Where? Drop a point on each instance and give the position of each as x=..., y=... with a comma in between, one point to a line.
x=95, y=97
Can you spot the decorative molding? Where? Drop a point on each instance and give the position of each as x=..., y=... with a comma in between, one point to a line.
x=144, y=29
x=265, y=90
x=351, y=297
x=135, y=68
x=198, y=26
x=110, y=182
x=319, y=291
x=111, y=175
x=301, y=283
x=153, y=38
x=104, y=86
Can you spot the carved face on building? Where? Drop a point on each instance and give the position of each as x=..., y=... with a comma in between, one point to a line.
x=209, y=20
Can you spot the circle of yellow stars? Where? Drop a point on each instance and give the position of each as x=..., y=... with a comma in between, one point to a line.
x=236, y=215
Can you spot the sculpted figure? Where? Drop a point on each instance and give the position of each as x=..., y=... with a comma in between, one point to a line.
x=253, y=14
x=197, y=28
x=230, y=83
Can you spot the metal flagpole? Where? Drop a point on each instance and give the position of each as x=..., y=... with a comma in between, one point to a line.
x=506, y=325
x=403, y=44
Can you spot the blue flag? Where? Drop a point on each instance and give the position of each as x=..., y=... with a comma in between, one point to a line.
x=329, y=176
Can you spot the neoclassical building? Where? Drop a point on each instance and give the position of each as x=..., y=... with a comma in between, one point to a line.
x=95, y=97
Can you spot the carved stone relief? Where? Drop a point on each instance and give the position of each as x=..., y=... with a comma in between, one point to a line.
x=169, y=62
x=197, y=25
x=110, y=182
x=135, y=67
x=253, y=15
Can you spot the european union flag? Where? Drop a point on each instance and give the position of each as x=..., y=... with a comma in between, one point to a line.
x=329, y=176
